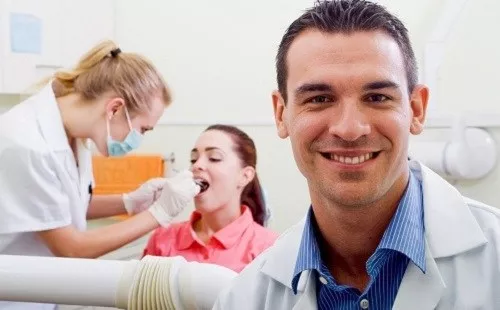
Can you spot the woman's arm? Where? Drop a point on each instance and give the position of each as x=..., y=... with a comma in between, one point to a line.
x=67, y=241
x=105, y=206
x=130, y=203
x=70, y=242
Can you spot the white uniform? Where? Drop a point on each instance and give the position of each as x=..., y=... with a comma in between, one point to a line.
x=462, y=261
x=41, y=186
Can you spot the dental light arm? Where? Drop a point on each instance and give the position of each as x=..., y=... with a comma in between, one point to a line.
x=470, y=154
x=152, y=283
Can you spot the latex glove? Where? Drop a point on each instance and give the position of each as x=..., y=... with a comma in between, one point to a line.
x=143, y=197
x=177, y=192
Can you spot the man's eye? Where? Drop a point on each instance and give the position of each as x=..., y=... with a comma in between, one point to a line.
x=377, y=98
x=320, y=99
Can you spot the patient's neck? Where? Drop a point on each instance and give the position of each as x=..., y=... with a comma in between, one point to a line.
x=212, y=222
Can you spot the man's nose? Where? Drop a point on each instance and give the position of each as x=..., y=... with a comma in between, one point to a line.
x=351, y=122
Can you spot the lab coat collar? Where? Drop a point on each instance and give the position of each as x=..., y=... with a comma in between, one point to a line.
x=450, y=230
x=49, y=119
x=281, y=266
x=283, y=255
x=450, y=227
x=417, y=290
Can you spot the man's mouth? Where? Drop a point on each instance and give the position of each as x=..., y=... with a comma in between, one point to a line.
x=350, y=160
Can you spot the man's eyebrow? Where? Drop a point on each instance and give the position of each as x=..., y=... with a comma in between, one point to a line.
x=380, y=85
x=313, y=87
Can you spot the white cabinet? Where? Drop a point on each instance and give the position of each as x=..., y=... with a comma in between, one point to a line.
x=38, y=37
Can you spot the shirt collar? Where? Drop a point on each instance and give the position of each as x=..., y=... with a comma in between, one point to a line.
x=227, y=236
x=404, y=234
x=309, y=256
x=49, y=118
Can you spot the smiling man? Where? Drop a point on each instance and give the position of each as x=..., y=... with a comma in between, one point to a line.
x=382, y=232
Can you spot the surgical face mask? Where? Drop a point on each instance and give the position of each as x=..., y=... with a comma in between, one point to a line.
x=131, y=142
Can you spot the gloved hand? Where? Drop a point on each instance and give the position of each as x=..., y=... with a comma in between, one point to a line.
x=177, y=192
x=143, y=197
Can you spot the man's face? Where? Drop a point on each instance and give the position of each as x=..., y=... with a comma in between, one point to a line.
x=349, y=114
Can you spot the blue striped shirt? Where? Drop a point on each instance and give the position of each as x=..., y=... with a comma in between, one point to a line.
x=402, y=242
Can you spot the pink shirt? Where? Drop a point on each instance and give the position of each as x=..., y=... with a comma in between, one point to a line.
x=233, y=247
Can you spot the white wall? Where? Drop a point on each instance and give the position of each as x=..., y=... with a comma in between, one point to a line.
x=217, y=56
x=219, y=59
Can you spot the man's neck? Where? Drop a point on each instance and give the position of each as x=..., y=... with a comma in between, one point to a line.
x=350, y=236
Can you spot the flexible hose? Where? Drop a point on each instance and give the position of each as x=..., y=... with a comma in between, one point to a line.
x=151, y=283
x=171, y=283
x=150, y=286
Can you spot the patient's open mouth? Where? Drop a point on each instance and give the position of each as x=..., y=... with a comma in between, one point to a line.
x=203, y=185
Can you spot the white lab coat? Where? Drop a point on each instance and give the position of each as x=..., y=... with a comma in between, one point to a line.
x=462, y=261
x=41, y=187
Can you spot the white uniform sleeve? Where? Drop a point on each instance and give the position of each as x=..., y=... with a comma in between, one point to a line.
x=32, y=197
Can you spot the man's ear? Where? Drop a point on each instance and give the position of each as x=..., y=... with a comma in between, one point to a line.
x=247, y=176
x=418, y=104
x=280, y=114
x=113, y=105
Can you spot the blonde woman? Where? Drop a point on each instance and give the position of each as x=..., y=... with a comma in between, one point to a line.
x=111, y=98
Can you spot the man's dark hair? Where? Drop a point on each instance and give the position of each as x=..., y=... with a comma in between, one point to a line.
x=347, y=16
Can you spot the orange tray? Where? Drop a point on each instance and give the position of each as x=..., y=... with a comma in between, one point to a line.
x=118, y=175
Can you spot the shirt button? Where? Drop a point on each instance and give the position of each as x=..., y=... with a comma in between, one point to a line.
x=323, y=280
x=364, y=304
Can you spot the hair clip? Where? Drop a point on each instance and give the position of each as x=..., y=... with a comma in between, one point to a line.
x=115, y=52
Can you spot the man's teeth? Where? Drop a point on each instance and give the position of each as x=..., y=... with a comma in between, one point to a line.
x=351, y=160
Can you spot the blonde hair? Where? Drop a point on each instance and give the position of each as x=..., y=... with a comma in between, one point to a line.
x=106, y=69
